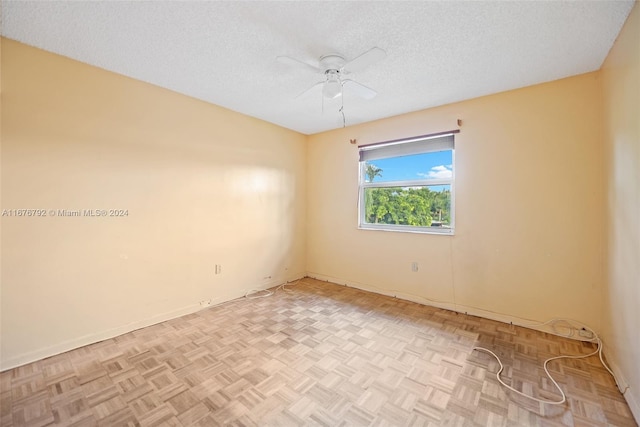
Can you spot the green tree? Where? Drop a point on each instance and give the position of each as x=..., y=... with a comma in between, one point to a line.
x=407, y=206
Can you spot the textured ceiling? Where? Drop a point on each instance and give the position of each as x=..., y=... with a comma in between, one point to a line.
x=225, y=52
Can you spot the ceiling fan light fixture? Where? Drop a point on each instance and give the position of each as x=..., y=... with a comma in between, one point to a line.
x=332, y=89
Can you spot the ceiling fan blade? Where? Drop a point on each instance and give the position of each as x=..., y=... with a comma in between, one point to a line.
x=287, y=60
x=363, y=61
x=359, y=89
x=311, y=89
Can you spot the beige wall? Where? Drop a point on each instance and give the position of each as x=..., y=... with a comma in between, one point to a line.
x=529, y=208
x=202, y=185
x=621, y=101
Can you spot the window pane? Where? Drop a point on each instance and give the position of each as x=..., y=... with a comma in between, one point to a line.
x=435, y=165
x=427, y=206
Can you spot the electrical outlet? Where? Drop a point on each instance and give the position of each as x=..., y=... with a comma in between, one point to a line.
x=205, y=303
x=218, y=269
x=414, y=266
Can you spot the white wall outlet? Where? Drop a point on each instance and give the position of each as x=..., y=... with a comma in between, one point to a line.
x=414, y=266
x=218, y=269
x=205, y=303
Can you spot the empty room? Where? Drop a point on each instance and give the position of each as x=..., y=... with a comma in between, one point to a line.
x=320, y=213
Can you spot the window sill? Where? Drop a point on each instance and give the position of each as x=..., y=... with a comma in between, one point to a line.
x=408, y=229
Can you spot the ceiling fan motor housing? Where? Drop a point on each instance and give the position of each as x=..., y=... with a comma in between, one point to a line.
x=332, y=62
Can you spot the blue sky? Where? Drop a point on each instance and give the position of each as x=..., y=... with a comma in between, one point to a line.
x=418, y=166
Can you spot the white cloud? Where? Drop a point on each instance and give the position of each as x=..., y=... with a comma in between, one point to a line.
x=438, y=172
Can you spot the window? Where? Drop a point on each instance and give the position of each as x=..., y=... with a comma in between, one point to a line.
x=408, y=184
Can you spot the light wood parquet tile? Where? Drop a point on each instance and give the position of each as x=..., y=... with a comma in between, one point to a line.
x=319, y=355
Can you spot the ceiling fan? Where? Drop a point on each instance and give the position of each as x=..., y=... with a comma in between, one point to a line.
x=334, y=68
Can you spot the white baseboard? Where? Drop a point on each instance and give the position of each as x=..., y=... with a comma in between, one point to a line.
x=634, y=404
x=42, y=353
x=64, y=346
x=474, y=311
x=369, y=288
x=632, y=399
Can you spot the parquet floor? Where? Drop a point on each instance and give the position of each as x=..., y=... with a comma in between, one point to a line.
x=321, y=354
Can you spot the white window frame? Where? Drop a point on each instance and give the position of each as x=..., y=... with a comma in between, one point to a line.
x=443, y=141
